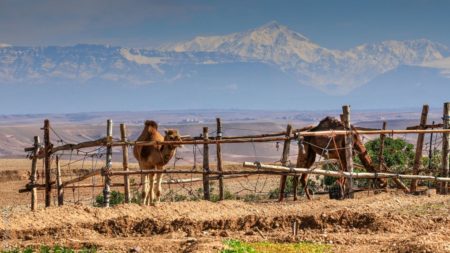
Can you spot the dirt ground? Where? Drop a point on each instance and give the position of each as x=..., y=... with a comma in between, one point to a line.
x=386, y=222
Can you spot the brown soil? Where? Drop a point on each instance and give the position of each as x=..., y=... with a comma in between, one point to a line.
x=389, y=222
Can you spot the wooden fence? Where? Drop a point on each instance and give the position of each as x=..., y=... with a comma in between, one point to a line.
x=207, y=174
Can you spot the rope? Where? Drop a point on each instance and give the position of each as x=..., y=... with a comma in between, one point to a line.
x=57, y=135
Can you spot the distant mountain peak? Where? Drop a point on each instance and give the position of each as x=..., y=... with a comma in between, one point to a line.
x=4, y=45
x=275, y=29
x=271, y=26
x=270, y=42
x=273, y=44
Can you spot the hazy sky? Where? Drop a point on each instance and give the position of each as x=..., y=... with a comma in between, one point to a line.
x=333, y=24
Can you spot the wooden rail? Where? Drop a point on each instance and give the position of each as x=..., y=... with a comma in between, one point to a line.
x=354, y=175
x=117, y=185
x=104, y=141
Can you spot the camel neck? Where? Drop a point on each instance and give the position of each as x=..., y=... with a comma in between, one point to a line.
x=167, y=152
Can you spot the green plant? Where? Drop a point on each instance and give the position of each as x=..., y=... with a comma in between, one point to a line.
x=398, y=154
x=172, y=196
x=49, y=249
x=289, y=189
x=235, y=246
x=226, y=195
x=327, y=180
x=435, y=162
x=116, y=198
x=252, y=197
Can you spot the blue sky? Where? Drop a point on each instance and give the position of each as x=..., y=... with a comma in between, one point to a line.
x=333, y=24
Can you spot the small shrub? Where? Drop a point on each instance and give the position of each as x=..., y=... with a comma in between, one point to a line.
x=235, y=246
x=273, y=194
x=252, y=197
x=226, y=195
x=116, y=198
x=49, y=249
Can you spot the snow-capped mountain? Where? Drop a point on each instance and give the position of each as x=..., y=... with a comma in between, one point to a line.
x=315, y=65
x=271, y=54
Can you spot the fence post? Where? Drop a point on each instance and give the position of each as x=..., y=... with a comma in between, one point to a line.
x=380, y=154
x=33, y=176
x=284, y=159
x=348, y=149
x=445, y=144
x=47, y=163
x=301, y=158
x=419, y=148
x=219, y=157
x=107, y=169
x=126, y=180
x=430, y=152
x=206, y=194
x=59, y=183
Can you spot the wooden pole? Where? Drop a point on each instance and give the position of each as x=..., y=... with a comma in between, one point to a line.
x=248, y=140
x=107, y=169
x=170, y=181
x=301, y=160
x=47, y=163
x=445, y=144
x=355, y=175
x=219, y=157
x=380, y=154
x=33, y=176
x=430, y=152
x=104, y=141
x=348, y=149
x=60, y=189
x=284, y=159
x=126, y=180
x=419, y=148
x=206, y=171
x=83, y=177
x=87, y=144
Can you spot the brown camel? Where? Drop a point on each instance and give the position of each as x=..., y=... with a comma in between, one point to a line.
x=330, y=149
x=154, y=157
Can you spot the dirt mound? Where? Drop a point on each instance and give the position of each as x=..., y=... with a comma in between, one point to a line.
x=342, y=219
x=126, y=226
x=386, y=222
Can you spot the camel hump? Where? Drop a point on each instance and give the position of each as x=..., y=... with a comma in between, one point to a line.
x=152, y=124
x=330, y=122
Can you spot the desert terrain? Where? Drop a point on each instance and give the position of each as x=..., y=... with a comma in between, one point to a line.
x=383, y=222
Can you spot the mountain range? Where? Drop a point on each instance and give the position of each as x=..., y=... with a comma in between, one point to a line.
x=241, y=70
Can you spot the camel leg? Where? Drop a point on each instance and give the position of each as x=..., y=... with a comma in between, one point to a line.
x=145, y=188
x=158, y=185
x=151, y=195
x=301, y=160
x=311, y=158
x=295, y=186
x=342, y=180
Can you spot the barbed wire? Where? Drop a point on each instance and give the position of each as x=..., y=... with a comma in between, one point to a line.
x=249, y=184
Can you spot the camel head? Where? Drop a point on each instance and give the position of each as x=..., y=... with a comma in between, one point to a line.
x=151, y=126
x=172, y=135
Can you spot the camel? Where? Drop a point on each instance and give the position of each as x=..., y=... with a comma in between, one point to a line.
x=329, y=149
x=154, y=157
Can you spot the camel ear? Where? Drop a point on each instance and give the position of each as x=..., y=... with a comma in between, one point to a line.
x=166, y=132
